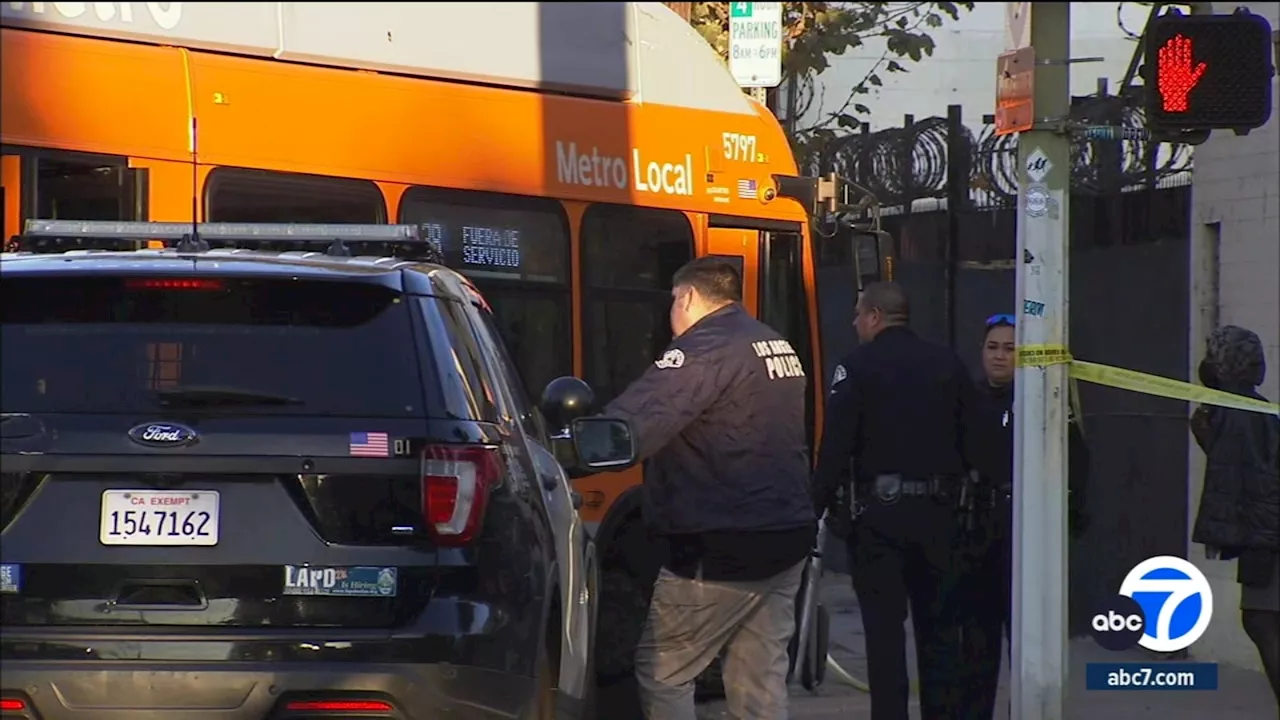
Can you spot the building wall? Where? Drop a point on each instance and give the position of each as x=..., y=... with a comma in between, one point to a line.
x=1235, y=279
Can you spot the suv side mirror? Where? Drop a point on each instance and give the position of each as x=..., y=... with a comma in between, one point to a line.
x=564, y=400
x=603, y=443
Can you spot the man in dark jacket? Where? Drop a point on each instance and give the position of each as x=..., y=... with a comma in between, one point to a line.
x=1239, y=513
x=987, y=588
x=721, y=419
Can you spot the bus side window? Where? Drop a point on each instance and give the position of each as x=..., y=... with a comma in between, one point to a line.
x=75, y=186
x=628, y=257
x=502, y=366
x=515, y=250
x=784, y=303
x=240, y=195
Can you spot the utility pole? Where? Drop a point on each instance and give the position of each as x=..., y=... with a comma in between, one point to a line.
x=1039, y=631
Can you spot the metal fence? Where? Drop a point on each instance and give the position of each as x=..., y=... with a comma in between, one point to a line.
x=940, y=159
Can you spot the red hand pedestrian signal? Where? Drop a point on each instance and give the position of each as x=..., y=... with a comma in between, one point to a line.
x=1176, y=75
x=1207, y=72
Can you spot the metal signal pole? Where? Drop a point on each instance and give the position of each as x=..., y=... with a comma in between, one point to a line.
x=1038, y=628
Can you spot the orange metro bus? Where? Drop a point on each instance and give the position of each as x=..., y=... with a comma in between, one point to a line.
x=600, y=146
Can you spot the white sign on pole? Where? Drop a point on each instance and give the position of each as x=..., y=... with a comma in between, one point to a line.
x=1017, y=25
x=755, y=43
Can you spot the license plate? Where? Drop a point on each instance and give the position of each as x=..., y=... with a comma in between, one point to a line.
x=159, y=517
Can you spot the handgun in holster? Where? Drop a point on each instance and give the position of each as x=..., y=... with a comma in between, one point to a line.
x=970, y=485
x=842, y=511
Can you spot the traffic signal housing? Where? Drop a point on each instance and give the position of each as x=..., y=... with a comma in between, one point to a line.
x=1208, y=72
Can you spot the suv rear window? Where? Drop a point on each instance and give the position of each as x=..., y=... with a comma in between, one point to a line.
x=118, y=345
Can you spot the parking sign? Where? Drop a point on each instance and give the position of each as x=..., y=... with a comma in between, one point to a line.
x=755, y=43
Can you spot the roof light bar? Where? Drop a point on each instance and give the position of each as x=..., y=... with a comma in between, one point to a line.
x=405, y=241
x=222, y=231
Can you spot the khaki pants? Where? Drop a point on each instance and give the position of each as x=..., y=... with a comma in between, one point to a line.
x=691, y=621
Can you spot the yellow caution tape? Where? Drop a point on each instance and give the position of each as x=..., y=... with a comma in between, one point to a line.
x=1134, y=381
x=1042, y=355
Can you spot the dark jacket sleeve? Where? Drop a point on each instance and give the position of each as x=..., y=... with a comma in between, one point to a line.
x=968, y=417
x=1240, y=503
x=839, y=435
x=673, y=392
x=1201, y=424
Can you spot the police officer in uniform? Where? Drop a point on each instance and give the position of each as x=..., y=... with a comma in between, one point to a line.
x=897, y=427
x=987, y=587
x=720, y=417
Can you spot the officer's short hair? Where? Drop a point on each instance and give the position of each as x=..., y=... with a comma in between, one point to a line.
x=716, y=280
x=889, y=298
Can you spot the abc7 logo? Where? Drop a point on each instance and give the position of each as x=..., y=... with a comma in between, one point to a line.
x=1165, y=604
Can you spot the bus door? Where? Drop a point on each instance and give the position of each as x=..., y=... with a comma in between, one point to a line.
x=784, y=305
x=740, y=247
x=10, y=195
x=773, y=282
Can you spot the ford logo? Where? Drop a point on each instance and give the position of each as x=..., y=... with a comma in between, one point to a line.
x=163, y=435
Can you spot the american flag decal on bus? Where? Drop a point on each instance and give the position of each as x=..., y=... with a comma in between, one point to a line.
x=747, y=189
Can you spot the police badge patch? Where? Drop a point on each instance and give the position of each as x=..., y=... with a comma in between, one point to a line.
x=838, y=377
x=670, y=359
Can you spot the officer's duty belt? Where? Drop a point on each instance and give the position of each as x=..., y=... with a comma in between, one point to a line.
x=887, y=489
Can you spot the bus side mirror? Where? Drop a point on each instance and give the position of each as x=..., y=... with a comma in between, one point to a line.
x=872, y=256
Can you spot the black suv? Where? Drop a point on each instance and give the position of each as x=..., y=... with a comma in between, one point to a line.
x=251, y=484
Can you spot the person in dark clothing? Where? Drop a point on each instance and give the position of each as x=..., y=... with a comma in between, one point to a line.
x=721, y=419
x=897, y=432
x=987, y=587
x=1239, y=512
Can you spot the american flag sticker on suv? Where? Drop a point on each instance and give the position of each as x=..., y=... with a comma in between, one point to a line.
x=369, y=444
x=747, y=189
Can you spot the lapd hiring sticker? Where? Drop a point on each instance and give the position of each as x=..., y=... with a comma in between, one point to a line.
x=339, y=581
x=10, y=579
x=1038, y=201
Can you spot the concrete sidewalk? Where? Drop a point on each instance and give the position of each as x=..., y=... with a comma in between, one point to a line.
x=1241, y=694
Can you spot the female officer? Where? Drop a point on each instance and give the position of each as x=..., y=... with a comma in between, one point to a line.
x=988, y=595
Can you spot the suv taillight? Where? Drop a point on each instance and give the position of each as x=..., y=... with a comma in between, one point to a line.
x=325, y=705
x=15, y=708
x=456, y=482
x=339, y=706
